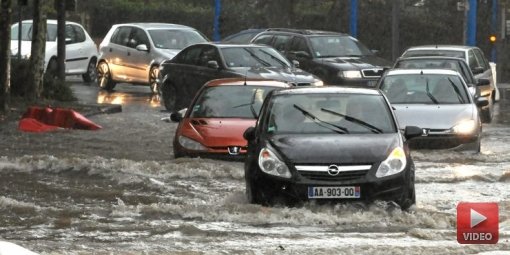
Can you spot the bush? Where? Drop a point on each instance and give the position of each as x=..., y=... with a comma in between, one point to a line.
x=56, y=90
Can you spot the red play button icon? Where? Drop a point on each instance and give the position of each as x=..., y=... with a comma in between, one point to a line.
x=477, y=223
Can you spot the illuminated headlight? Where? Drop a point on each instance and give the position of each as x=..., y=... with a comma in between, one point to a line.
x=270, y=163
x=465, y=127
x=350, y=74
x=394, y=164
x=191, y=144
x=318, y=83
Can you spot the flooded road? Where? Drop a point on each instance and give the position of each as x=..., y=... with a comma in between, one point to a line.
x=78, y=199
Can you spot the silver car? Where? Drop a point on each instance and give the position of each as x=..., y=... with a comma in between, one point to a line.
x=132, y=52
x=438, y=101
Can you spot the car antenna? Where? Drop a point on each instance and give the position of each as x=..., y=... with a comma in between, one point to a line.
x=245, y=77
x=421, y=72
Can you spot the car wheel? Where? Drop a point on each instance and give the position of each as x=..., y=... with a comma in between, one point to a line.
x=91, y=74
x=409, y=195
x=487, y=113
x=52, y=68
x=168, y=96
x=254, y=195
x=153, y=78
x=104, y=77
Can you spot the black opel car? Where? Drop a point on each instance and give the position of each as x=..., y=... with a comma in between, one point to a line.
x=329, y=144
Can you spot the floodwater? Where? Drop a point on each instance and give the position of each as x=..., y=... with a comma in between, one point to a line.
x=78, y=203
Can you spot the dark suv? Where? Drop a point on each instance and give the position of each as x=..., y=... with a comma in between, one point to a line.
x=336, y=58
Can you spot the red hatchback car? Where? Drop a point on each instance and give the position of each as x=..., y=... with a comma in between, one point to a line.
x=221, y=111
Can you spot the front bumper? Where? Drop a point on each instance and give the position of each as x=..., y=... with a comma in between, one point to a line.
x=442, y=142
x=212, y=153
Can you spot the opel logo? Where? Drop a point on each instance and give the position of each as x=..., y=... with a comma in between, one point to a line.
x=333, y=170
x=234, y=150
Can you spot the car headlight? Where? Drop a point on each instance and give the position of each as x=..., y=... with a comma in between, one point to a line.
x=465, y=127
x=394, y=164
x=191, y=144
x=353, y=74
x=270, y=163
x=318, y=83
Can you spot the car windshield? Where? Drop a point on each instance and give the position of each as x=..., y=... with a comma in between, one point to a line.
x=329, y=113
x=230, y=102
x=176, y=39
x=435, y=52
x=424, y=89
x=26, y=32
x=435, y=64
x=253, y=57
x=337, y=46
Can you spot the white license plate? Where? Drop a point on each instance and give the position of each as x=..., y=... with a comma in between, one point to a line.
x=334, y=192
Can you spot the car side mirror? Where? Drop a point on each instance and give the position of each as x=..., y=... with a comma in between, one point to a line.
x=178, y=116
x=483, y=82
x=477, y=70
x=213, y=64
x=481, y=101
x=302, y=54
x=142, y=47
x=295, y=63
x=412, y=131
x=249, y=134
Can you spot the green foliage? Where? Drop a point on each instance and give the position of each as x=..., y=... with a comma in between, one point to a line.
x=54, y=89
x=19, y=74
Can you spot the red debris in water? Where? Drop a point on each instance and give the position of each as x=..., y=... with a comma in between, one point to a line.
x=44, y=119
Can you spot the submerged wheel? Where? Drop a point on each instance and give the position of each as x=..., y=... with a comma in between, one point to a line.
x=168, y=96
x=153, y=79
x=52, y=68
x=254, y=195
x=91, y=74
x=409, y=195
x=104, y=77
x=487, y=113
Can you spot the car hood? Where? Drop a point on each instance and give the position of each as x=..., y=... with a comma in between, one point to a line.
x=338, y=149
x=292, y=75
x=433, y=116
x=217, y=132
x=356, y=63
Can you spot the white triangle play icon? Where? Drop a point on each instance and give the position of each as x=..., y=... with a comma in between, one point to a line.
x=476, y=218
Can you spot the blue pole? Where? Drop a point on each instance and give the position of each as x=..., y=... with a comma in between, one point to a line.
x=471, y=23
x=216, y=23
x=494, y=27
x=353, y=18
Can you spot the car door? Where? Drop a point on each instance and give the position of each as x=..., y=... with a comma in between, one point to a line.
x=81, y=54
x=183, y=68
x=486, y=73
x=138, y=61
x=205, y=72
x=115, y=52
x=72, y=50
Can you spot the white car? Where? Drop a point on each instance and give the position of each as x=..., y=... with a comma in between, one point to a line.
x=81, y=51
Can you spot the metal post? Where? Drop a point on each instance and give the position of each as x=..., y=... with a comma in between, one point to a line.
x=353, y=19
x=20, y=6
x=471, y=23
x=216, y=23
x=494, y=20
x=395, y=24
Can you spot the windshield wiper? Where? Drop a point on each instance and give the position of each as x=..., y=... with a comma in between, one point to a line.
x=428, y=92
x=340, y=130
x=459, y=96
x=370, y=127
x=252, y=102
x=265, y=63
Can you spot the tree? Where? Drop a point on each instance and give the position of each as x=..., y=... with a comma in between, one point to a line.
x=36, y=68
x=5, y=53
x=60, y=7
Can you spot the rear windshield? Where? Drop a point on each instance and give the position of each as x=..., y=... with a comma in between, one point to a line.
x=230, y=102
x=425, y=89
x=26, y=32
x=329, y=113
x=451, y=64
x=435, y=52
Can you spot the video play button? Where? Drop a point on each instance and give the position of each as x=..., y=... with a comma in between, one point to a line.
x=476, y=218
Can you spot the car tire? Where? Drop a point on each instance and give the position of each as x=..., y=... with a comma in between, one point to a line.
x=168, y=96
x=254, y=195
x=409, y=195
x=487, y=113
x=104, y=77
x=91, y=74
x=52, y=68
x=153, y=77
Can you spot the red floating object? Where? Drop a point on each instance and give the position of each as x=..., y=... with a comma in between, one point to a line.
x=39, y=119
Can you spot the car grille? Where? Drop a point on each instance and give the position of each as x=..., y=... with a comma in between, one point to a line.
x=372, y=73
x=346, y=172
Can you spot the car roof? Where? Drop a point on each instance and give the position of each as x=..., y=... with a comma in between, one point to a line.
x=50, y=21
x=430, y=57
x=303, y=31
x=247, y=82
x=154, y=25
x=442, y=47
x=230, y=45
x=399, y=71
x=328, y=90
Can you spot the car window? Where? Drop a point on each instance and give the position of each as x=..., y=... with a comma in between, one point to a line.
x=280, y=42
x=189, y=56
x=121, y=36
x=26, y=32
x=424, y=89
x=230, y=102
x=337, y=46
x=70, y=35
x=177, y=39
x=434, y=52
x=451, y=64
x=80, y=34
x=326, y=113
x=481, y=59
x=138, y=36
x=299, y=44
x=209, y=53
x=263, y=39
x=253, y=57
x=473, y=63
